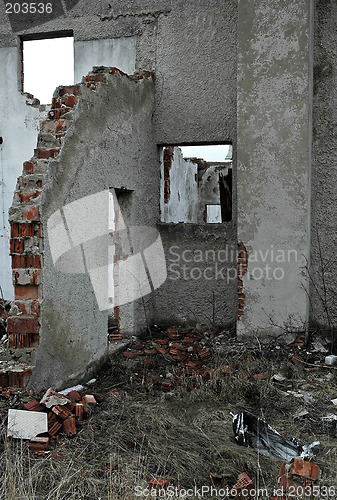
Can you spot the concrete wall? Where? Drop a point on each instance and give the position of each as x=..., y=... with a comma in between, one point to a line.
x=323, y=270
x=274, y=127
x=119, y=52
x=20, y=123
x=111, y=129
x=201, y=284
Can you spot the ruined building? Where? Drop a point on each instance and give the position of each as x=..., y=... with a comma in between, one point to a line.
x=102, y=217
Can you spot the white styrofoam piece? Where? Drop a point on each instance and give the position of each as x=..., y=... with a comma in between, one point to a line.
x=24, y=424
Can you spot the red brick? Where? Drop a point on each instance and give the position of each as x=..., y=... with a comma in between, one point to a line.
x=61, y=412
x=22, y=341
x=22, y=230
x=161, y=350
x=29, y=167
x=243, y=482
x=26, y=261
x=45, y=154
x=34, y=405
x=17, y=246
x=79, y=411
x=74, y=395
x=54, y=429
x=26, y=292
x=158, y=483
x=305, y=469
x=150, y=352
x=162, y=341
x=19, y=380
x=115, y=337
x=29, y=308
x=22, y=325
x=128, y=354
x=70, y=100
x=31, y=214
x=69, y=426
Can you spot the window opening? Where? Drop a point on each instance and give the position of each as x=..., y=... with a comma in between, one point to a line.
x=47, y=64
x=196, y=184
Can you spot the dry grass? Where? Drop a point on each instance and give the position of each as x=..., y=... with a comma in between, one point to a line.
x=181, y=438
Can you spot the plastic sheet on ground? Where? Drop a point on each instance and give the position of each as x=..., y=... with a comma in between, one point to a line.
x=250, y=430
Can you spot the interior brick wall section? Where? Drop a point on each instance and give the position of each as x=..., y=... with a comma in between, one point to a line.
x=242, y=269
x=168, y=155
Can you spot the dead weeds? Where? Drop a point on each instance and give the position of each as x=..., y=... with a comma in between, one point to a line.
x=137, y=432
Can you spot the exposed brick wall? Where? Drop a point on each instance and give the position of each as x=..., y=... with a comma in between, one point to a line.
x=26, y=244
x=242, y=269
x=168, y=155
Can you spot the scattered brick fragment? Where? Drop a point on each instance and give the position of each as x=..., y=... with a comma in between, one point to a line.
x=34, y=405
x=158, y=483
x=74, y=395
x=54, y=429
x=69, y=426
x=305, y=469
x=89, y=399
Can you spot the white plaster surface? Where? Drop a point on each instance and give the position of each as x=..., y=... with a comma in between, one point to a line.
x=118, y=52
x=24, y=424
x=19, y=128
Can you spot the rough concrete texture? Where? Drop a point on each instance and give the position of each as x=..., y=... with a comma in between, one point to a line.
x=273, y=182
x=20, y=124
x=323, y=270
x=201, y=285
x=196, y=73
x=109, y=142
x=120, y=53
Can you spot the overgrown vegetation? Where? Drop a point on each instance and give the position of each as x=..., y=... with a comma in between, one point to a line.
x=181, y=436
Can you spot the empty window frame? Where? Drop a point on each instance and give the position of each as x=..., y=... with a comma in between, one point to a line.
x=47, y=63
x=196, y=184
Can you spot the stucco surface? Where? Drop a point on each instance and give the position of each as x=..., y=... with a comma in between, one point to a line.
x=274, y=159
x=323, y=270
x=201, y=285
x=111, y=136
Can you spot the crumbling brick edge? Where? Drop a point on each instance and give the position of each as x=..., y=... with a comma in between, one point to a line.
x=242, y=269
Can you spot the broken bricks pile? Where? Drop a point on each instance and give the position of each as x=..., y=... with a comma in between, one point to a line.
x=186, y=353
x=62, y=414
x=295, y=480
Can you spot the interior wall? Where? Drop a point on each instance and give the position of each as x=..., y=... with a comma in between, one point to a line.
x=118, y=52
x=20, y=123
